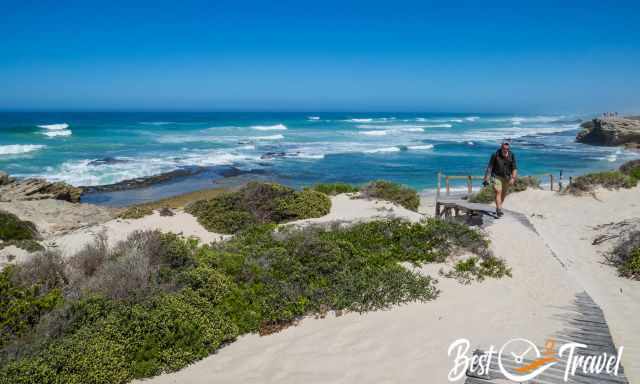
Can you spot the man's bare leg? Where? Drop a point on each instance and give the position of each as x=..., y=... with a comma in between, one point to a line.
x=499, y=199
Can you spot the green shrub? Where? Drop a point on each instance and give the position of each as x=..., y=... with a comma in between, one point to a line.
x=22, y=305
x=609, y=180
x=631, y=266
x=478, y=269
x=203, y=297
x=487, y=194
x=306, y=204
x=27, y=245
x=626, y=255
x=135, y=212
x=332, y=189
x=396, y=193
x=631, y=168
x=12, y=228
x=258, y=203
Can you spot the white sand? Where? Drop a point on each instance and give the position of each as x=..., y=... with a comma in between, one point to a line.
x=118, y=229
x=566, y=224
x=407, y=344
x=345, y=208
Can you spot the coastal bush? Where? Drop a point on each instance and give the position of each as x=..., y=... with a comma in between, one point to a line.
x=488, y=194
x=626, y=256
x=258, y=203
x=332, y=189
x=27, y=245
x=396, y=193
x=631, y=168
x=179, y=302
x=12, y=228
x=610, y=180
x=28, y=291
x=474, y=268
x=306, y=204
x=135, y=212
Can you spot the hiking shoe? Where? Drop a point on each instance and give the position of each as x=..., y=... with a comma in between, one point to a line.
x=499, y=212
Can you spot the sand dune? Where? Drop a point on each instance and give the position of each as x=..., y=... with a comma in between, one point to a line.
x=409, y=344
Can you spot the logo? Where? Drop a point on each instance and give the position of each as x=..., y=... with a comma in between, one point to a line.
x=521, y=360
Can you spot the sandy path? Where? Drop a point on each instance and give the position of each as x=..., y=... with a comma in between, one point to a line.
x=566, y=224
x=407, y=344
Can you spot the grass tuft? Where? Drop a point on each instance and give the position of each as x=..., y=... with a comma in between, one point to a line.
x=332, y=189
x=396, y=193
x=610, y=180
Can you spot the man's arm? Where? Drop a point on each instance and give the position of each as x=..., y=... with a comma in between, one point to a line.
x=489, y=169
x=514, y=171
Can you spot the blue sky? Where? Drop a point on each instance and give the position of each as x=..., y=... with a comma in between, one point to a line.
x=481, y=56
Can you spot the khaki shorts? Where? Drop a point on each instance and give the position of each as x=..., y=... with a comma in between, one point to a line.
x=501, y=184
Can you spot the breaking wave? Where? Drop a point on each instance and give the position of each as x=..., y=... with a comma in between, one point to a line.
x=64, y=132
x=277, y=127
x=16, y=149
x=54, y=127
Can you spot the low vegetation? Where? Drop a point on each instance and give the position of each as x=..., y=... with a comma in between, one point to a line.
x=609, y=179
x=28, y=245
x=488, y=195
x=157, y=302
x=478, y=269
x=396, y=193
x=631, y=169
x=258, y=203
x=626, y=255
x=163, y=205
x=333, y=189
x=12, y=228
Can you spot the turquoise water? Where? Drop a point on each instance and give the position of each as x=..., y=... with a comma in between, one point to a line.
x=294, y=148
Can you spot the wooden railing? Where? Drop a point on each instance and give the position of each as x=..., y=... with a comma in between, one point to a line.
x=470, y=178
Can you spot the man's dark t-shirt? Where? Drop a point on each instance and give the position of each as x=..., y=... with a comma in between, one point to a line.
x=502, y=166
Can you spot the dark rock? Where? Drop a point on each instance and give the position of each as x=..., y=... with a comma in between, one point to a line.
x=271, y=155
x=143, y=182
x=233, y=171
x=610, y=132
x=107, y=161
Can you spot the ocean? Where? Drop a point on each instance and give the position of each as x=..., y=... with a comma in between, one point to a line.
x=297, y=149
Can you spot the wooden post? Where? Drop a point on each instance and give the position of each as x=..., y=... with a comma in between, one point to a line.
x=446, y=182
x=439, y=185
x=570, y=180
x=551, y=181
x=469, y=184
x=437, y=209
x=560, y=182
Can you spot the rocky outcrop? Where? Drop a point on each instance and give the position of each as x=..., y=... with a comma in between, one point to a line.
x=37, y=189
x=143, y=182
x=4, y=178
x=611, y=132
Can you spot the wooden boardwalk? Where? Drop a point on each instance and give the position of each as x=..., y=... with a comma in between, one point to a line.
x=584, y=323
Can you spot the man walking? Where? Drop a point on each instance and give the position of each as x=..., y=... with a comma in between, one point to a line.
x=503, y=170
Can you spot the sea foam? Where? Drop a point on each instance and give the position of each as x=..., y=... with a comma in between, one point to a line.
x=16, y=149
x=63, y=132
x=272, y=137
x=277, y=127
x=54, y=127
